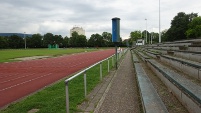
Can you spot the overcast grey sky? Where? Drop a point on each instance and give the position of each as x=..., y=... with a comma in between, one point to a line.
x=59, y=16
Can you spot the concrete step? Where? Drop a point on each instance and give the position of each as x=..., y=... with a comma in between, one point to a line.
x=185, y=90
x=149, y=97
x=191, y=68
x=190, y=55
x=151, y=101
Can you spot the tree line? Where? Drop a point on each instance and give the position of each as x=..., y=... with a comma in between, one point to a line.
x=183, y=26
x=39, y=41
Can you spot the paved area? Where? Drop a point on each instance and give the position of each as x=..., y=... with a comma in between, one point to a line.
x=117, y=93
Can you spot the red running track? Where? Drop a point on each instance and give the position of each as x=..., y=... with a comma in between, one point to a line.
x=19, y=79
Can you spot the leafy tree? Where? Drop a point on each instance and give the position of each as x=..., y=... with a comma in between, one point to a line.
x=78, y=40
x=164, y=36
x=15, y=41
x=58, y=40
x=179, y=26
x=194, y=30
x=125, y=42
x=35, y=41
x=66, y=42
x=3, y=42
x=121, y=44
x=48, y=39
x=155, y=37
x=73, y=39
x=82, y=41
x=107, y=37
x=96, y=40
x=134, y=35
x=144, y=35
x=29, y=42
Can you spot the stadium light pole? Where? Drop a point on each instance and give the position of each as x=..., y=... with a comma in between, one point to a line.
x=146, y=30
x=159, y=23
x=25, y=42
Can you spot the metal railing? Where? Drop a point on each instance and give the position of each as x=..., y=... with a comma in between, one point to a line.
x=85, y=80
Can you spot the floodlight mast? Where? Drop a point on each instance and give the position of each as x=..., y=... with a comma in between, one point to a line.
x=159, y=23
x=25, y=42
x=146, y=30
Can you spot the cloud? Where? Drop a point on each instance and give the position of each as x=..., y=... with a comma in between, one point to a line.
x=59, y=16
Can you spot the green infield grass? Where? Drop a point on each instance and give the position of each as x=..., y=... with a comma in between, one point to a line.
x=8, y=55
x=52, y=99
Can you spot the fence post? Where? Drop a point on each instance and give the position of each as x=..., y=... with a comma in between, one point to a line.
x=108, y=65
x=101, y=71
x=67, y=98
x=85, y=84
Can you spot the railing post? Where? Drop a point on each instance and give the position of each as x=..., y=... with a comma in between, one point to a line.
x=112, y=61
x=118, y=56
x=67, y=98
x=85, y=84
x=199, y=70
x=85, y=81
x=101, y=71
x=108, y=65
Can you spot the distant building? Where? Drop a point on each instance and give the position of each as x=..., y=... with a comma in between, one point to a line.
x=79, y=30
x=140, y=42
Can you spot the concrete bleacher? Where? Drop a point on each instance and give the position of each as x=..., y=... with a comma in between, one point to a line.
x=153, y=54
x=186, y=45
x=189, y=67
x=185, y=90
x=187, y=49
x=187, y=61
x=134, y=57
x=150, y=99
x=194, y=56
x=181, y=43
x=142, y=55
x=184, y=56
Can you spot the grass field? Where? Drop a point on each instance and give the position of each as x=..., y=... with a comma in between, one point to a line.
x=8, y=54
x=52, y=99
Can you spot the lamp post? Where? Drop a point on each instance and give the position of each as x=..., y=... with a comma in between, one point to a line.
x=25, y=42
x=159, y=23
x=146, y=30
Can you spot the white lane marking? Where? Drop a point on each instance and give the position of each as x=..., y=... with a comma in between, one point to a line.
x=8, y=76
x=16, y=78
x=24, y=82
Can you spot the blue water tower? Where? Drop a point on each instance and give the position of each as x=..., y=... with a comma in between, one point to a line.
x=115, y=29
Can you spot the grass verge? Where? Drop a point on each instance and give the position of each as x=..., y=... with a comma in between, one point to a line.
x=52, y=98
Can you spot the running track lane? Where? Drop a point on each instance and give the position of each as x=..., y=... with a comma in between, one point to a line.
x=19, y=79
